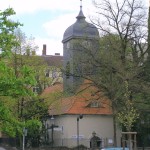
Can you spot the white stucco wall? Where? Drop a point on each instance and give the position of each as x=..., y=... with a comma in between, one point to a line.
x=66, y=136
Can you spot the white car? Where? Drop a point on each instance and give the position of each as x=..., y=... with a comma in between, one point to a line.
x=115, y=148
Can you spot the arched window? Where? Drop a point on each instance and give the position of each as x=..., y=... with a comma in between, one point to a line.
x=68, y=45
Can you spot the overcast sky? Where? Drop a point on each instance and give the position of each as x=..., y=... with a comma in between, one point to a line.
x=46, y=20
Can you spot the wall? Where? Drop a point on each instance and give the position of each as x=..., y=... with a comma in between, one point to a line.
x=66, y=133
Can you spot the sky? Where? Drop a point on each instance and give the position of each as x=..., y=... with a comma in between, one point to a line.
x=47, y=20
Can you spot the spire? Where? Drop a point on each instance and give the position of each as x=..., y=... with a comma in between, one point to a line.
x=80, y=15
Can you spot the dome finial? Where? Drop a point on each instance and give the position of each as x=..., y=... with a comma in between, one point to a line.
x=80, y=15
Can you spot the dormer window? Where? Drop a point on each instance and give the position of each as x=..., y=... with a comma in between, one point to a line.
x=94, y=104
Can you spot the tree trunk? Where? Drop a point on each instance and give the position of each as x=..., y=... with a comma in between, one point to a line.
x=115, y=134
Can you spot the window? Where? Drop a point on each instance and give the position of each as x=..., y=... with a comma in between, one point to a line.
x=68, y=70
x=68, y=44
x=86, y=43
x=50, y=74
x=54, y=74
x=47, y=74
x=95, y=104
x=36, y=89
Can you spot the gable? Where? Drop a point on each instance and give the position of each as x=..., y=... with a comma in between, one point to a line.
x=79, y=103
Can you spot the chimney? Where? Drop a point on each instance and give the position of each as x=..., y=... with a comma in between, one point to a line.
x=44, y=49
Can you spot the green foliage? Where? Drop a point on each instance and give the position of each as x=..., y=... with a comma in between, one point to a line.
x=39, y=68
x=34, y=129
x=8, y=123
x=128, y=114
x=15, y=80
x=7, y=27
x=128, y=117
x=55, y=96
x=34, y=108
x=15, y=86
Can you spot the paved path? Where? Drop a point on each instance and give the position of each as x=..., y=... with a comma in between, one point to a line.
x=1, y=148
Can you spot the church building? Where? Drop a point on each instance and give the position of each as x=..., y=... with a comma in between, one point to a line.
x=78, y=118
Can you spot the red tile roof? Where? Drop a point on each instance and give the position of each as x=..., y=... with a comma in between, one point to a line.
x=54, y=88
x=79, y=103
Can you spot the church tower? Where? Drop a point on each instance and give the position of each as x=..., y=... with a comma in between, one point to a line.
x=83, y=31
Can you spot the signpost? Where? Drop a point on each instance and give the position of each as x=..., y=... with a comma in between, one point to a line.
x=24, y=135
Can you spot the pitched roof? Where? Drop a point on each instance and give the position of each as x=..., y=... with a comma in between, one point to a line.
x=79, y=103
x=53, y=88
x=53, y=60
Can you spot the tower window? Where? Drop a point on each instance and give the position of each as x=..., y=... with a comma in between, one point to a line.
x=68, y=70
x=68, y=44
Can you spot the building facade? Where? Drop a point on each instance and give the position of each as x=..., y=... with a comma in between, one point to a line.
x=66, y=134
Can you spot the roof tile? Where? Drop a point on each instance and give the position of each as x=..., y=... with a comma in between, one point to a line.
x=79, y=103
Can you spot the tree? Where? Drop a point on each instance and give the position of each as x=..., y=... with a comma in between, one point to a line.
x=120, y=56
x=127, y=51
x=7, y=27
x=31, y=106
x=16, y=79
x=22, y=56
x=9, y=124
x=128, y=116
x=20, y=71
